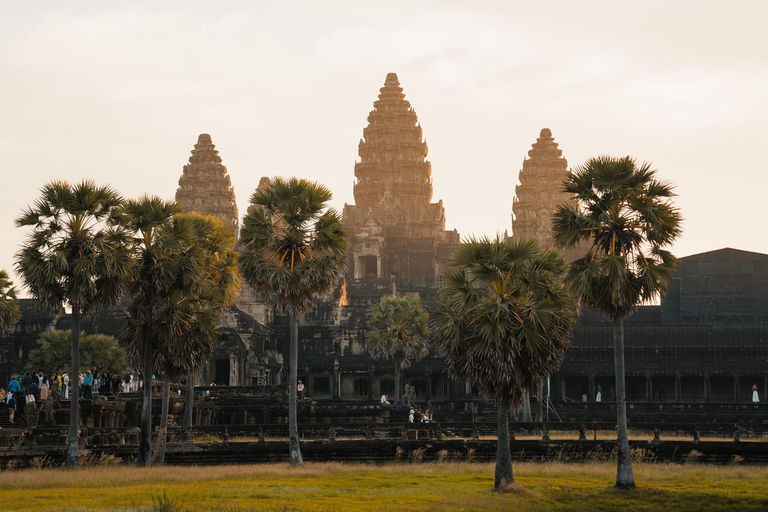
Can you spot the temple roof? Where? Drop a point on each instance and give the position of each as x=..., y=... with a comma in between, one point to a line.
x=204, y=186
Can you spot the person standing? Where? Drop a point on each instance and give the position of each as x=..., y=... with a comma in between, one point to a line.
x=755, y=396
x=300, y=390
x=65, y=385
x=88, y=386
x=44, y=388
x=14, y=386
x=599, y=394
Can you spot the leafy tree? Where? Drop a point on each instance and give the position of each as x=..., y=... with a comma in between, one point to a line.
x=626, y=216
x=398, y=330
x=292, y=247
x=158, y=245
x=54, y=350
x=189, y=330
x=74, y=255
x=504, y=320
x=9, y=304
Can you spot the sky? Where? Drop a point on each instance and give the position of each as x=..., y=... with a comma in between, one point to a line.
x=119, y=91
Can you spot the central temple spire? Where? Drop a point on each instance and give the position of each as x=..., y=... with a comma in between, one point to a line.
x=393, y=194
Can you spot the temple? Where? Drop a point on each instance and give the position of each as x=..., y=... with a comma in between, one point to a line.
x=540, y=190
x=205, y=187
x=395, y=230
x=703, y=343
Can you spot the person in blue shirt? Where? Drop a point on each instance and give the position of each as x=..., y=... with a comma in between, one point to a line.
x=88, y=385
x=14, y=385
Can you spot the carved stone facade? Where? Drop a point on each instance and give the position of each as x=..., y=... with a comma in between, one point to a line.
x=540, y=190
x=205, y=186
x=396, y=231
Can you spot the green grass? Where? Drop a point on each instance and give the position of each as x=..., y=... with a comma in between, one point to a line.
x=358, y=487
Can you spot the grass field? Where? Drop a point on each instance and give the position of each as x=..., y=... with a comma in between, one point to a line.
x=358, y=487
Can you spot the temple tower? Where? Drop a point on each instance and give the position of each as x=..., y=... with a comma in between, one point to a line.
x=205, y=187
x=540, y=190
x=395, y=230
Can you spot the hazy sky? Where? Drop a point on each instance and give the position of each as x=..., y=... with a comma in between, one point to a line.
x=119, y=91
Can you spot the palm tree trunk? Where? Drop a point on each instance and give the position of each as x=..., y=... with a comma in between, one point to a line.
x=162, y=434
x=189, y=399
x=527, y=407
x=145, y=436
x=293, y=430
x=504, y=474
x=397, y=381
x=73, y=442
x=624, y=477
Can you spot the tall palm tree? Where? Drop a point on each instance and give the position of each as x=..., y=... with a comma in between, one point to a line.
x=398, y=330
x=625, y=214
x=504, y=320
x=76, y=255
x=158, y=245
x=292, y=247
x=9, y=304
x=189, y=331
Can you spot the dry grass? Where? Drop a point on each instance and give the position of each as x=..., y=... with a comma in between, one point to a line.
x=358, y=487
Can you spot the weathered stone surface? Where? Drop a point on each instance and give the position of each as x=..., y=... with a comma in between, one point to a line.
x=540, y=190
x=205, y=187
x=396, y=231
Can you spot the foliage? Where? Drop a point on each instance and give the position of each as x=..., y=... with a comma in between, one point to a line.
x=398, y=330
x=626, y=213
x=9, y=304
x=75, y=254
x=504, y=316
x=97, y=350
x=293, y=245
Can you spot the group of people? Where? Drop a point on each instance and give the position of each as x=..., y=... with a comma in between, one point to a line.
x=46, y=391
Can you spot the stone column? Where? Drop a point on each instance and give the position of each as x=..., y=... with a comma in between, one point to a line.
x=336, y=383
x=371, y=377
x=429, y=385
x=232, y=370
x=648, y=388
x=591, y=396
x=678, y=389
x=736, y=390
x=707, y=388
x=562, y=388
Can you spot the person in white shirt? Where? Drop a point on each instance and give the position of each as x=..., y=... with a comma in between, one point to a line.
x=384, y=400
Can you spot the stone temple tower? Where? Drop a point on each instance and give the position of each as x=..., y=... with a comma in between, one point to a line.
x=396, y=231
x=205, y=187
x=540, y=190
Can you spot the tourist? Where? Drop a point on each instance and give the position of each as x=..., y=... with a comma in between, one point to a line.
x=14, y=386
x=755, y=396
x=44, y=389
x=65, y=385
x=384, y=400
x=300, y=389
x=410, y=416
x=88, y=386
x=599, y=394
x=34, y=390
x=584, y=394
x=11, y=403
x=40, y=377
x=127, y=380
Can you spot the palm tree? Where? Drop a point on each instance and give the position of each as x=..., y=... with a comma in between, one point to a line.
x=292, y=247
x=189, y=330
x=74, y=255
x=398, y=330
x=504, y=320
x=627, y=215
x=9, y=304
x=158, y=245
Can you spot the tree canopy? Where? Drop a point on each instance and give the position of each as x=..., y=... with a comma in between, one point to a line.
x=96, y=350
x=9, y=304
